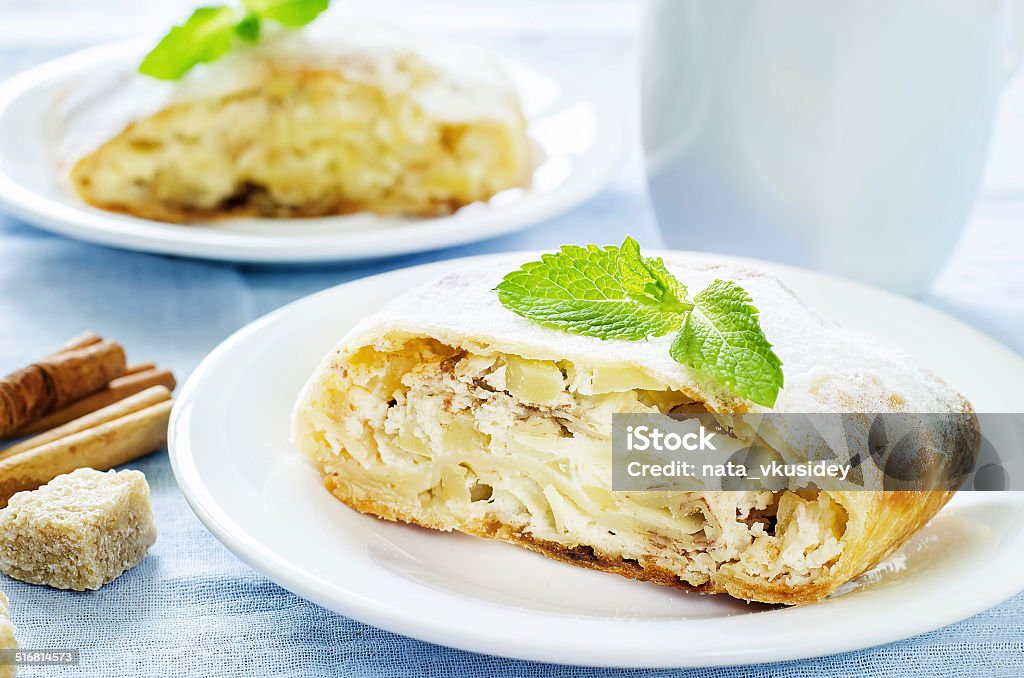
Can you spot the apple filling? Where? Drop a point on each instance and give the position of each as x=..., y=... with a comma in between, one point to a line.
x=493, y=443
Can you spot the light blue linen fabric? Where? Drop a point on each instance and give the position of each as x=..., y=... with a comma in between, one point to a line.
x=192, y=608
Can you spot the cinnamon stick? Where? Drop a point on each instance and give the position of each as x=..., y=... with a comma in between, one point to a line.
x=139, y=401
x=135, y=368
x=102, y=447
x=81, y=341
x=116, y=390
x=57, y=380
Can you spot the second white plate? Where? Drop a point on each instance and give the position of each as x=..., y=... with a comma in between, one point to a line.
x=578, y=143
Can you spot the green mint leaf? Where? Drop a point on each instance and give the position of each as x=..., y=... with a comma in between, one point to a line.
x=721, y=336
x=604, y=292
x=291, y=13
x=248, y=29
x=649, y=277
x=206, y=36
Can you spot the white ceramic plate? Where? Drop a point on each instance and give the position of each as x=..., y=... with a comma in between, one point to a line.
x=577, y=144
x=231, y=456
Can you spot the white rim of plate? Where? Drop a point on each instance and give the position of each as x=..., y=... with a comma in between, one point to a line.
x=552, y=631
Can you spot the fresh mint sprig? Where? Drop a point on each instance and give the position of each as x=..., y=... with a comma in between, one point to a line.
x=617, y=293
x=210, y=33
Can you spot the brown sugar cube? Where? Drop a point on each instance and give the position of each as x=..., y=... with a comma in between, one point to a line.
x=79, y=531
x=7, y=639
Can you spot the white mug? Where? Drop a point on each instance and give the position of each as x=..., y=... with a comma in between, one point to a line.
x=848, y=136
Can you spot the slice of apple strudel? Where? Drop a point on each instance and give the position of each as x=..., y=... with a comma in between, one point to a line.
x=446, y=410
x=302, y=126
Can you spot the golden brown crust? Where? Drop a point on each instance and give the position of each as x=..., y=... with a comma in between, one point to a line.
x=590, y=558
x=880, y=523
x=581, y=556
x=243, y=207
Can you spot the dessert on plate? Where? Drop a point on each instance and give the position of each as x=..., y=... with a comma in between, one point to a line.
x=448, y=410
x=306, y=124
